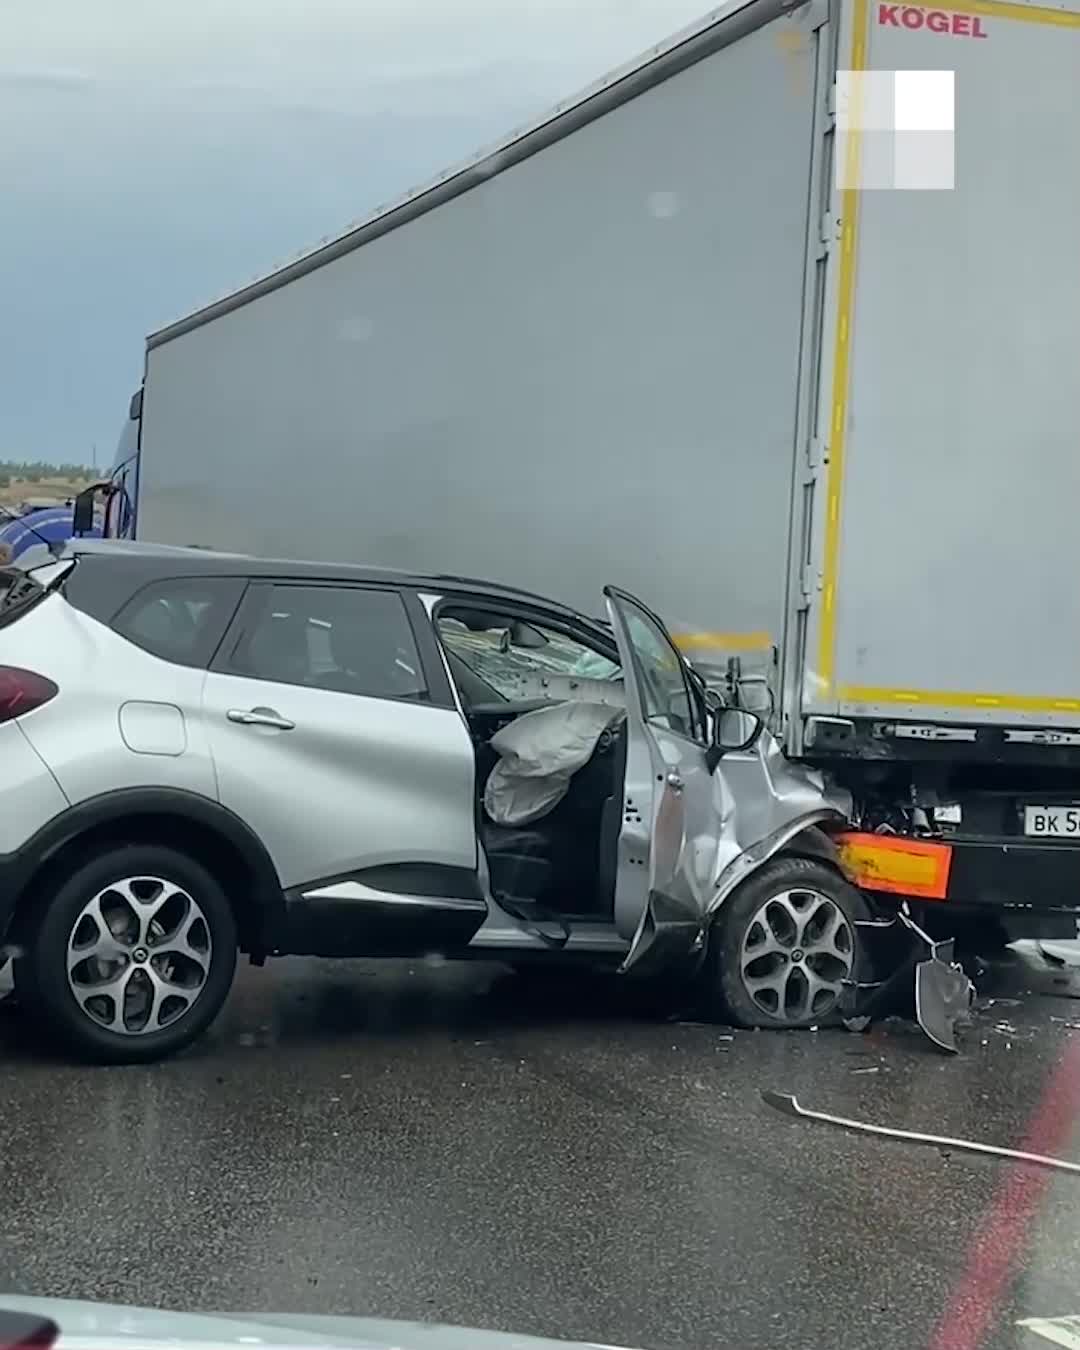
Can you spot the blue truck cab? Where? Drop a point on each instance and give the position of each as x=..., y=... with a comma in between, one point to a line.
x=120, y=491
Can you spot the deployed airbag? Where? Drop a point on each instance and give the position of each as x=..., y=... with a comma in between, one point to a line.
x=539, y=754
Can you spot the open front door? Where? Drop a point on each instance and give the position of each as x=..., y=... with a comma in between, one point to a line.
x=670, y=833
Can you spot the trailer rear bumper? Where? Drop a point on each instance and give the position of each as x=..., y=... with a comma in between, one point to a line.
x=1032, y=888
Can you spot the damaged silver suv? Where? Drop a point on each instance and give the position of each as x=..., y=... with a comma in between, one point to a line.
x=205, y=754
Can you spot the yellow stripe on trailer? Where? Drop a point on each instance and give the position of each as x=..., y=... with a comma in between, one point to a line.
x=948, y=698
x=849, y=222
x=727, y=642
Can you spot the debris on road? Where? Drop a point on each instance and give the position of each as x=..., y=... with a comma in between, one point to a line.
x=944, y=995
x=1057, y=1330
x=789, y=1105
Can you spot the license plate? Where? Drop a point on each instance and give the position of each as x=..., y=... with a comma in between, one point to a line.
x=1052, y=822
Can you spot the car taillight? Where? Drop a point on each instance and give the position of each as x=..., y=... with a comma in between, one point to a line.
x=21, y=691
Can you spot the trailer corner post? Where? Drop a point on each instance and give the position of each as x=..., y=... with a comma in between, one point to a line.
x=849, y=125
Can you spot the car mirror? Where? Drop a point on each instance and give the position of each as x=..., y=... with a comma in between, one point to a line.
x=734, y=730
x=83, y=512
x=475, y=620
x=524, y=635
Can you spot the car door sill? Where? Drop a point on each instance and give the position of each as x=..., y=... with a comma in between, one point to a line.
x=350, y=918
x=584, y=937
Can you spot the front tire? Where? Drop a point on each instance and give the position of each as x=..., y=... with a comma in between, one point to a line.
x=133, y=957
x=784, y=943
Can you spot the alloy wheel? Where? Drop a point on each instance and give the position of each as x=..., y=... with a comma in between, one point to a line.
x=138, y=955
x=797, y=951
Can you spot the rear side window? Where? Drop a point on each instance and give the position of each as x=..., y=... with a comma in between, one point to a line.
x=182, y=619
x=346, y=639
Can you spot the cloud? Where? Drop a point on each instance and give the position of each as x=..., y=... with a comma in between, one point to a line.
x=211, y=141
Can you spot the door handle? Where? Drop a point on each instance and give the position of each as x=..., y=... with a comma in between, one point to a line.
x=674, y=782
x=260, y=717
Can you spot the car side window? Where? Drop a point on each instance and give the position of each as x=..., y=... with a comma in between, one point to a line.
x=344, y=639
x=181, y=619
x=667, y=698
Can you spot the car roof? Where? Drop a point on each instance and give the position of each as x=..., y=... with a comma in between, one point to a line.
x=198, y=561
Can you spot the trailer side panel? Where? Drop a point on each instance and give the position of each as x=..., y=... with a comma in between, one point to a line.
x=583, y=369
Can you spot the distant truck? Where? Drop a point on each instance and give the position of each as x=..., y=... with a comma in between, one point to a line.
x=668, y=333
x=35, y=530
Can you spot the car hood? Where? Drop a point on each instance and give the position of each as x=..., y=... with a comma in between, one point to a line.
x=111, y=1326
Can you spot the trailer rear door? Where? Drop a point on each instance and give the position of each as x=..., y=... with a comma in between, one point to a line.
x=947, y=537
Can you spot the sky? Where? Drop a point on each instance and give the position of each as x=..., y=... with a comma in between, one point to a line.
x=158, y=153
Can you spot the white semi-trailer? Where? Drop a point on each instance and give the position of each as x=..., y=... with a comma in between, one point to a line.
x=776, y=327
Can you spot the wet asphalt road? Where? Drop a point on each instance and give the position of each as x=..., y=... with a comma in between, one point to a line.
x=456, y=1144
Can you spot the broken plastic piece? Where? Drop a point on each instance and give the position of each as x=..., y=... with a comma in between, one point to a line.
x=789, y=1105
x=943, y=993
x=943, y=997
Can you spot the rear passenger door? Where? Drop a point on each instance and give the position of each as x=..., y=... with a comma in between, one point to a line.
x=336, y=739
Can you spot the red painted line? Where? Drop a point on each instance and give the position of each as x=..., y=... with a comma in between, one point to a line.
x=1001, y=1236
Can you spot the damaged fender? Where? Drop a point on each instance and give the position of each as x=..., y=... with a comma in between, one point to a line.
x=764, y=802
x=760, y=803
x=699, y=815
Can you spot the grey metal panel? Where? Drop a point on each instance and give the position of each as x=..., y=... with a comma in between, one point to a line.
x=582, y=370
x=717, y=29
x=959, y=546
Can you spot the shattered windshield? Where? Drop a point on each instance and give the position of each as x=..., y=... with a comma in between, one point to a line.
x=507, y=657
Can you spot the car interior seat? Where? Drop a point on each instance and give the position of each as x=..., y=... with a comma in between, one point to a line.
x=278, y=650
x=567, y=860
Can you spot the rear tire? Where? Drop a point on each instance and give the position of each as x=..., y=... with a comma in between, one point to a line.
x=133, y=957
x=783, y=943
